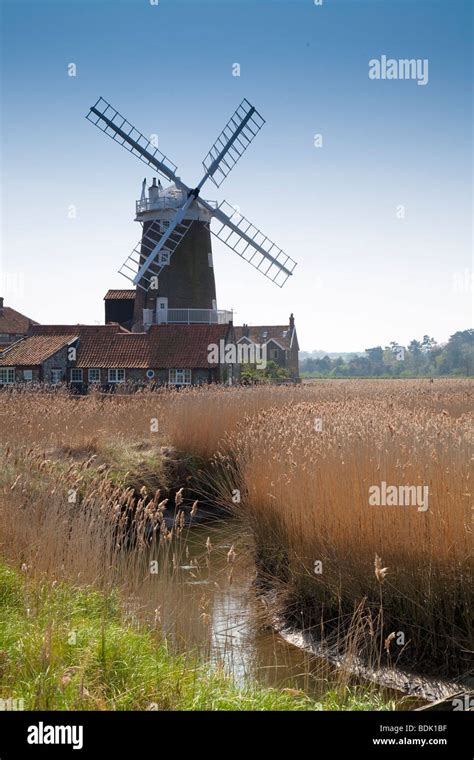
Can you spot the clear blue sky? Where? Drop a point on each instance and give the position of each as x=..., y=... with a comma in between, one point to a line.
x=364, y=276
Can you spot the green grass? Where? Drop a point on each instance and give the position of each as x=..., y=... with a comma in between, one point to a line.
x=65, y=648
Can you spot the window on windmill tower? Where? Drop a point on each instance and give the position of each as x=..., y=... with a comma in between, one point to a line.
x=164, y=224
x=209, y=259
x=164, y=258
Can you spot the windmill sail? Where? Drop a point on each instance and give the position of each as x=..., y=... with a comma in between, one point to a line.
x=153, y=252
x=175, y=232
x=112, y=123
x=233, y=141
x=251, y=244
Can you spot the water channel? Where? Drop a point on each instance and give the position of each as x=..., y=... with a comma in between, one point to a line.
x=203, y=599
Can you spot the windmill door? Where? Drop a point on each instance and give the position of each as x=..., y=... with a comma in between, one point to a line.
x=162, y=311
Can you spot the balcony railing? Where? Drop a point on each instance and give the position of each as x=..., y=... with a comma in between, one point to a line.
x=164, y=202
x=188, y=317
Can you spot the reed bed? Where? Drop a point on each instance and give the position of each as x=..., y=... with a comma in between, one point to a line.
x=399, y=574
x=194, y=420
x=302, y=460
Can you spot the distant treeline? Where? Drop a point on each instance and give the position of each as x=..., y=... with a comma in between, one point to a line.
x=418, y=359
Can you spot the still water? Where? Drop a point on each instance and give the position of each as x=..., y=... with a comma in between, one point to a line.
x=201, y=595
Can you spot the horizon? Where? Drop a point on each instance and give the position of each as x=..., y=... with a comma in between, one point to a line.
x=335, y=351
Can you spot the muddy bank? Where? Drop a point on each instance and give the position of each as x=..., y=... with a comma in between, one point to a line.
x=424, y=688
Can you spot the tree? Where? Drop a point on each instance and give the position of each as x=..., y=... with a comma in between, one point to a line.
x=415, y=359
x=427, y=344
x=375, y=356
x=457, y=355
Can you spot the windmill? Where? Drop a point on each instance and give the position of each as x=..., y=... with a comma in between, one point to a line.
x=171, y=265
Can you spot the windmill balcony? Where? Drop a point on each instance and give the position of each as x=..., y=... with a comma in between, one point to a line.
x=188, y=317
x=162, y=203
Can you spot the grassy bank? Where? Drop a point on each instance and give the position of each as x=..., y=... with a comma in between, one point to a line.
x=65, y=648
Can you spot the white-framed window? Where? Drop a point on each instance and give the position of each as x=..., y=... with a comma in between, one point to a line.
x=76, y=375
x=180, y=377
x=164, y=258
x=7, y=375
x=164, y=224
x=56, y=376
x=116, y=375
x=93, y=375
x=28, y=374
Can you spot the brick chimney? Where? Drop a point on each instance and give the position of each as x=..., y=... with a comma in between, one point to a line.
x=1, y=305
x=292, y=322
x=245, y=331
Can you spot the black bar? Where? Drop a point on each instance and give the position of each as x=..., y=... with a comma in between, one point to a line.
x=445, y=734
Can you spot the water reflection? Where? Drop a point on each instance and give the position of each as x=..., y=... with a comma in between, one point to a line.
x=204, y=601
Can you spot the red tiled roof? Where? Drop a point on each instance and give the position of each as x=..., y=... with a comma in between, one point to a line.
x=13, y=322
x=124, y=350
x=120, y=295
x=183, y=346
x=109, y=346
x=31, y=352
x=110, y=329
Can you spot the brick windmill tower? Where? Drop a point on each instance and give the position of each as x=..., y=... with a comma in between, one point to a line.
x=171, y=265
x=185, y=282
